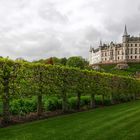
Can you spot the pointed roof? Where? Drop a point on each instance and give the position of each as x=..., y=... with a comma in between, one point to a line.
x=125, y=31
x=90, y=49
x=100, y=42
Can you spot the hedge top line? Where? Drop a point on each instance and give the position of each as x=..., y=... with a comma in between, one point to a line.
x=33, y=65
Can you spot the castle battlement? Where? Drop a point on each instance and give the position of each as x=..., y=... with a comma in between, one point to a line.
x=127, y=51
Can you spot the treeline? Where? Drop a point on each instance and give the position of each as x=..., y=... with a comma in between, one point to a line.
x=24, y=79
x=74, y=61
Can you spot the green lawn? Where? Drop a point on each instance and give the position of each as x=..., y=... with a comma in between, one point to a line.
x=133, y=68
x=119, y=122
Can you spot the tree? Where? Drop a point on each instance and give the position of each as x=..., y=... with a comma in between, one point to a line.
x=9, y=78
x=76, y=61
x=50, y=61
x=63, y=61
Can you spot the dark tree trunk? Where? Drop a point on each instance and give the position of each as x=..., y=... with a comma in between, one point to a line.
x=64, y=103
x=134, y=96
x=78, y=101
x=92, y=102
x=103, y=98
x=6, y=102
x=39, y=105
x=39, y=97
x=112, y=99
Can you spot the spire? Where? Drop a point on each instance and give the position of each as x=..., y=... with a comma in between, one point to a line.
x=100, y=43
x=125, y=31
x=90, y=49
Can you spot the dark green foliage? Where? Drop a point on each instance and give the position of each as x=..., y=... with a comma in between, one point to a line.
x=63, y=61
x=52, y=103
x=131, y=71
x=77, y=62
x=23, y=106
x=84, y=102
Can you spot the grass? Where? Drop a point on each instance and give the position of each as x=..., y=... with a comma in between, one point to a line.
x=133, y=68
x=119, y=122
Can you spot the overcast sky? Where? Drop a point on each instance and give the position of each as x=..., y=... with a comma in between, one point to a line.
x=34, y=29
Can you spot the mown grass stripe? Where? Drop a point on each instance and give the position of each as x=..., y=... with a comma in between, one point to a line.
x=119, y=122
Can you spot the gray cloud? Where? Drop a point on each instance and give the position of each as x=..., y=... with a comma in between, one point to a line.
x=35, y=29
x=52, y=15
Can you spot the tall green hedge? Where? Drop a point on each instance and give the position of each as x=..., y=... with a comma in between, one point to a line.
x=19, y=79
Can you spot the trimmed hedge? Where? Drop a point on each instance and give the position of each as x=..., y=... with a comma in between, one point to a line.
x=20, y=79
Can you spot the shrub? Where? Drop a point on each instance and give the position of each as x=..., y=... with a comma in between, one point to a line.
x=52, y=103
x=22, y=106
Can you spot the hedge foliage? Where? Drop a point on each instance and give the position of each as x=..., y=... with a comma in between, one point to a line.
x=22, y=79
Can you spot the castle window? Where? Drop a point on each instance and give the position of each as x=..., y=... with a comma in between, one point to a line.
x=135, y=45
x=111, y=53
x=135, y=57
x=118, y=58
x=135, y=50
x=118, y=52
x=127, y=52
x=131, y=45
x=131, y=51
x=131, y=57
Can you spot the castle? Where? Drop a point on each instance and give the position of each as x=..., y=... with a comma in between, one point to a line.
x=127, y=51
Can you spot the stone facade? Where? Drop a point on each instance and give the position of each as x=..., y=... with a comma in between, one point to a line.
x=127, y=51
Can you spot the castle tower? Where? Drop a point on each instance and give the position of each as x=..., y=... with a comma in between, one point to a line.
x=125, y=40
x=90, y=55
x=100, y=43
x=125, y=35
